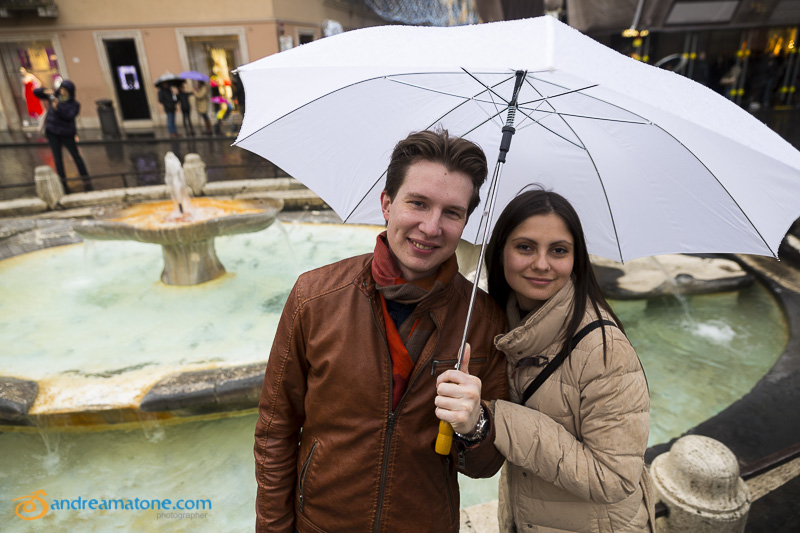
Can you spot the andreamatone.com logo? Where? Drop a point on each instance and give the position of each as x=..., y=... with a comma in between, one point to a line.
x=35, y=506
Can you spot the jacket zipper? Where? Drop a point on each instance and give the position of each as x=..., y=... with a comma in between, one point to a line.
x=447, y=488
x=392, y=416
x=452, y=362
x=389, y=425
x=303, y=472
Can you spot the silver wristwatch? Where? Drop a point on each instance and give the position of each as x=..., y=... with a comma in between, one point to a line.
x=480, y=429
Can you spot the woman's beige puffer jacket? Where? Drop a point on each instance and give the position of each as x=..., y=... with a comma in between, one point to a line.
x=575, y=451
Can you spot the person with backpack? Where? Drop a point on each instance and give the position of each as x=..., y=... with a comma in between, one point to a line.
x=575, y=431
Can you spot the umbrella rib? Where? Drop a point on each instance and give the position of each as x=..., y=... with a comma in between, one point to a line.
x=623, y=121
x=643, y=119
x=364, y=197
x=466, y=99
x=742, y=211
x=468, y=73
x=539, y=123
x=320, y=97
x=571, y=91
x=602, y=184
x=482, y=123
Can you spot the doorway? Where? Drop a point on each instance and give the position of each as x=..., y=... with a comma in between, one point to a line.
x=27, y=65
x=126, y=74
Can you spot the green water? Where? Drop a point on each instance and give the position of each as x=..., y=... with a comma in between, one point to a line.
x=100, y=308
x=698, y=359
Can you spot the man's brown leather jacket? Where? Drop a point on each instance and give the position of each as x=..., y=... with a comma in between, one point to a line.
x=360, y=466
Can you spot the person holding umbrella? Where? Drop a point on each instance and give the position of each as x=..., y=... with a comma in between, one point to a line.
x=575, y=431
x=352, y=372
x=200, y=91
x=168, y=98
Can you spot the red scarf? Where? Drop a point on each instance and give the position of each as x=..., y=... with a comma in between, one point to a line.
x=407, y=341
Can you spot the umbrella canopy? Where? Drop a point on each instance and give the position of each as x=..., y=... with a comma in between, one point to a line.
x=194, y=75
x=653, y=162
x=169, y=78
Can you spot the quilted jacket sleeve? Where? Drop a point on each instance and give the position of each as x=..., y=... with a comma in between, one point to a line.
x=280, y=417
x=604, y=461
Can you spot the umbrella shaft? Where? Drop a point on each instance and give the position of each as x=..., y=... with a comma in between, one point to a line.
x=486, y=218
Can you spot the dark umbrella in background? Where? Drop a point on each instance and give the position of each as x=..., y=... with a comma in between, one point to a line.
x=169, y=78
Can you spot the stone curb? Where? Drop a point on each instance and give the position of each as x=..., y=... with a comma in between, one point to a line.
x=294, y=194
x=16, y=397
x=206, y=391
x=22, y=206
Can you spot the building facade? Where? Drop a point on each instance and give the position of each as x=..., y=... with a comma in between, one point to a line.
x=116, y=49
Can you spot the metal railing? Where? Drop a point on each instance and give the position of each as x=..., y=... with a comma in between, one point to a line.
x=155, y=176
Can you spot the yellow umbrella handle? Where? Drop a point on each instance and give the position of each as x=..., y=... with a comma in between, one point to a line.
x=444, y=440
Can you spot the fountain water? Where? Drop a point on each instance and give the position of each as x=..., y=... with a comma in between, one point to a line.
x=184, y=228
x=108, y=355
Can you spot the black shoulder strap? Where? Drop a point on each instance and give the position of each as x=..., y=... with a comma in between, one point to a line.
x=557, y=360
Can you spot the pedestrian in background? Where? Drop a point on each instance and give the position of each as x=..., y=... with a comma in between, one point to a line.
x=62, y=108
x=186, y=109
x=224, y=112
x=168, y=98
x=201, y=104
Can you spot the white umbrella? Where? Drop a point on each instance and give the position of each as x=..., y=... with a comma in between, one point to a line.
x=653, y=162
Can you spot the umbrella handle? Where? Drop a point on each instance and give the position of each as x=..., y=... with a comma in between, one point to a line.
x=444, y=440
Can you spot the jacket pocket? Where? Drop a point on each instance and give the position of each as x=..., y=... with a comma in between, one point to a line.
x=439, y=366
x=301, y=481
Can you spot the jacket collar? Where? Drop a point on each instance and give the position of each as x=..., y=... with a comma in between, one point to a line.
x=366, y=284
x=534, y=333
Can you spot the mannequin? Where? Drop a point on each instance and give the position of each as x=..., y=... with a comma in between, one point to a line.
x=29, y=83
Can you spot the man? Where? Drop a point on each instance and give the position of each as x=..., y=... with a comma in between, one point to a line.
x=352, y=376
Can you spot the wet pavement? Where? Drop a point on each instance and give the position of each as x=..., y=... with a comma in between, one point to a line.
x=132, y=161
x=139, y=159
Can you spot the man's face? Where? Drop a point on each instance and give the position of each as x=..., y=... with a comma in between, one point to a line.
x=426, y=217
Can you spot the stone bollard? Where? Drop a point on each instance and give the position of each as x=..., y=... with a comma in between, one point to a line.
x=48, y=186
x=698, y=480
x=195, y=171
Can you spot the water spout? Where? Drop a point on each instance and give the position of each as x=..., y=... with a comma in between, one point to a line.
x=178, y=189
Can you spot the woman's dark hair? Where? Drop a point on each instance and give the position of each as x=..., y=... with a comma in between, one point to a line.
x=541, y=202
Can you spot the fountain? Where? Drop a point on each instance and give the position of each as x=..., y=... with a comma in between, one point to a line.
x=122, y=352
x=184, y=228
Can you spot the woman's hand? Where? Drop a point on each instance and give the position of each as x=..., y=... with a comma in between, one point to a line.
x=458, y=397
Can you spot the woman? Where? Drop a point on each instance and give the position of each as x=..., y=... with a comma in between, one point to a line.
x=201, y=104
x=575, y=448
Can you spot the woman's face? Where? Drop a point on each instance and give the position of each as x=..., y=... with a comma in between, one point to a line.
x=538, y=258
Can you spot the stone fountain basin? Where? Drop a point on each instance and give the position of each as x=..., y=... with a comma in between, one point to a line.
x=135, y=222
x=186, y=235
